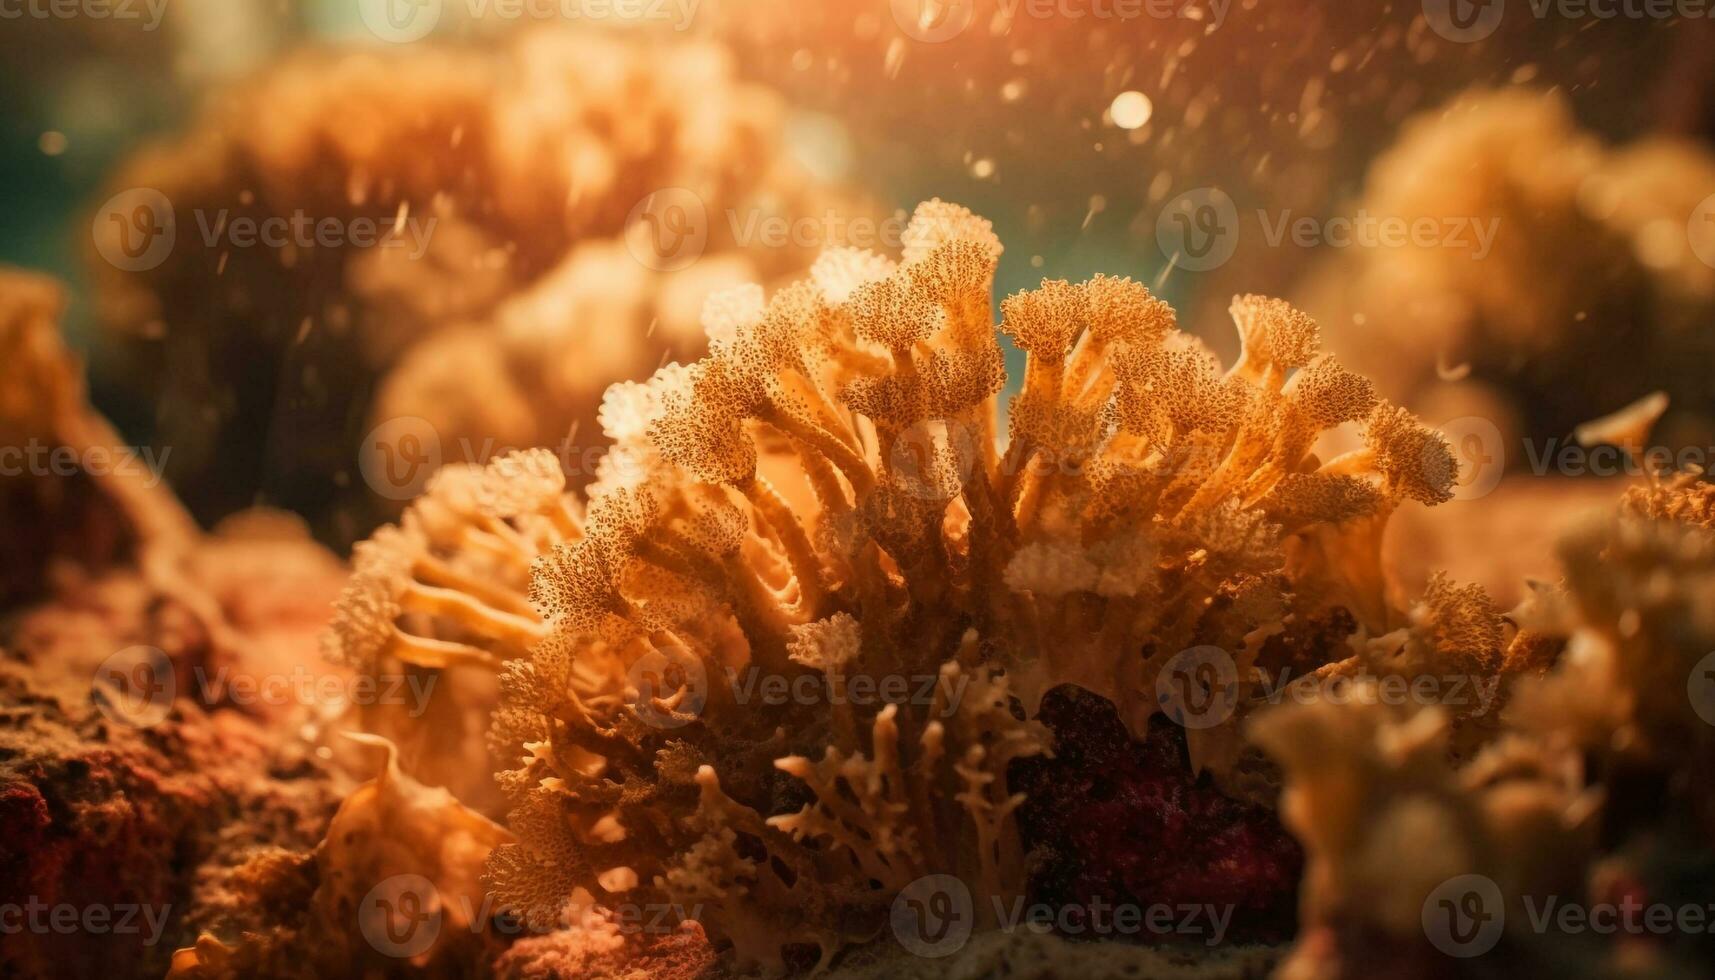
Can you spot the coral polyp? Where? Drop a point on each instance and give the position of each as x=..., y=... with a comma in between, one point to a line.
x=817, y=598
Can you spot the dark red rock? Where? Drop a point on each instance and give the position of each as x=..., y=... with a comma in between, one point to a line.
x=1123, y=821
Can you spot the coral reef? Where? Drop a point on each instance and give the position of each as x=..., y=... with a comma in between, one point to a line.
x=818, y=633
x=155, y=763
x=1145, y=502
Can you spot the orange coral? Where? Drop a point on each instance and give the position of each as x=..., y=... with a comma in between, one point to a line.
x=1591, y=791
x=444, y=594
x=1136, y=509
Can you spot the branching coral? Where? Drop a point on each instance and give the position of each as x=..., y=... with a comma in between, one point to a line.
x=444, y=596
x=825, y=501
x=1633, y=691
x=1386, y=820
x=1593, y=794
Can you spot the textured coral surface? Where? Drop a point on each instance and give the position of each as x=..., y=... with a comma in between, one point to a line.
x=1145, y=500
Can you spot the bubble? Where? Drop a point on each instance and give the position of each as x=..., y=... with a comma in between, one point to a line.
x=1131, y=110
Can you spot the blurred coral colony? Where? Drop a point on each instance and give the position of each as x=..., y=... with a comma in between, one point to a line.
x=754, y=601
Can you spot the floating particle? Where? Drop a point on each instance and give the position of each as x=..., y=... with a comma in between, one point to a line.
x=53, y=143
x=1159, y=187
x=1131, y=110
x=895, y=57
x=1448, y=371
